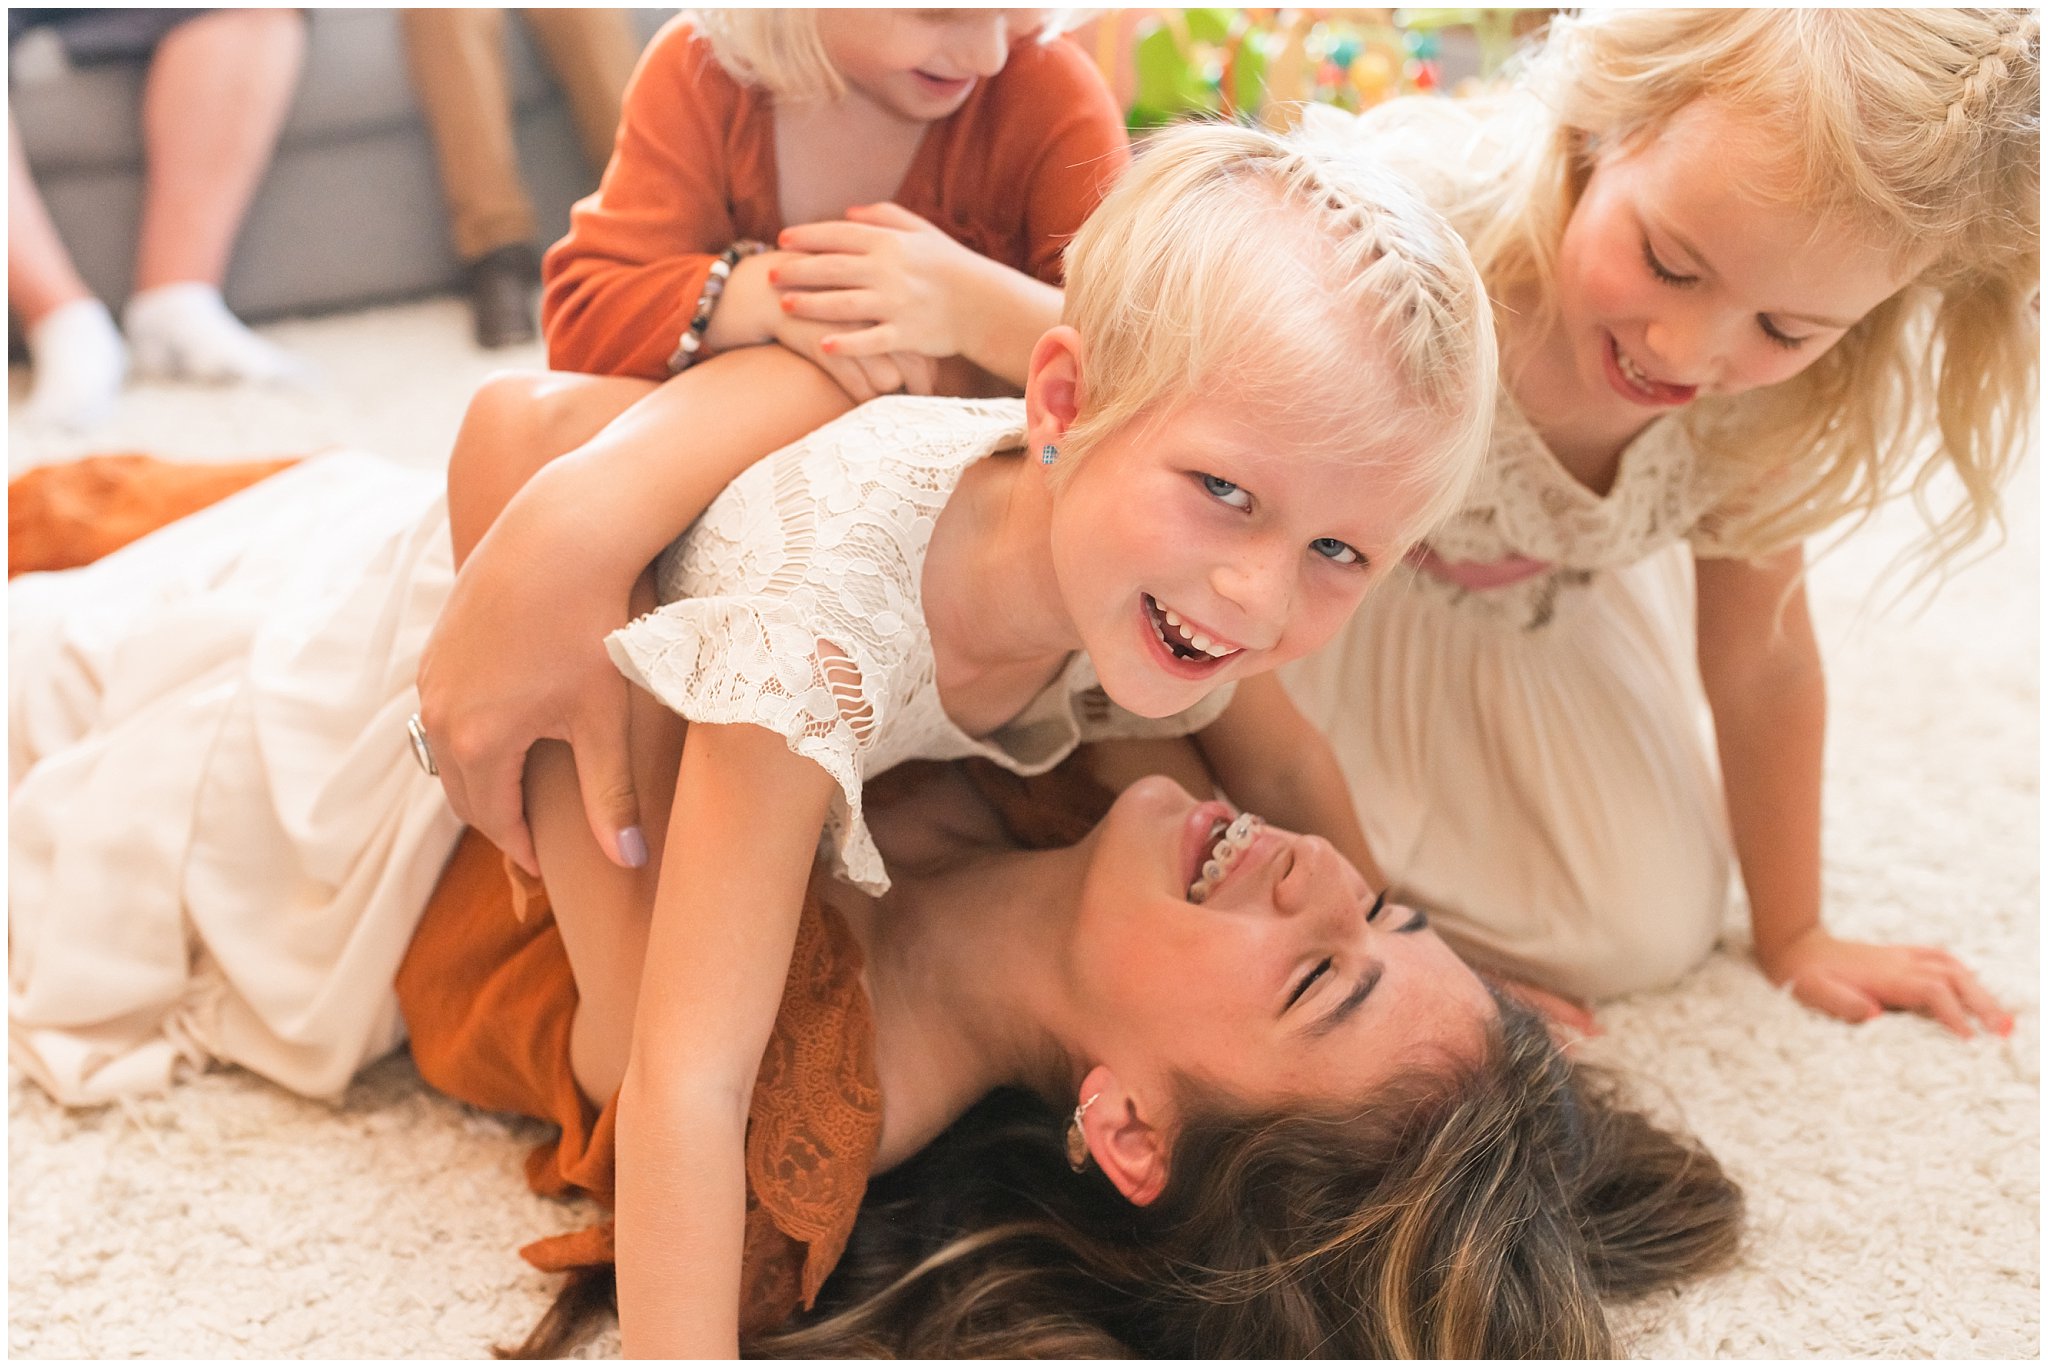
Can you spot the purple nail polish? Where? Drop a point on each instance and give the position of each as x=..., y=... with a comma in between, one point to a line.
x=632, y=847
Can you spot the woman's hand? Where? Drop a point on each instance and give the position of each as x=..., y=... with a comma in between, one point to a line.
x=1857, y=981
x=904, y=284
x=517, y=656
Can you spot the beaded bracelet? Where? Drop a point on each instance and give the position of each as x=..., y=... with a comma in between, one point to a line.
x=691, y=344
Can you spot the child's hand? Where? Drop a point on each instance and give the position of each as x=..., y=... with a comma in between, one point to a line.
x=1856, y=981
x=906, y=282
x=863, y=377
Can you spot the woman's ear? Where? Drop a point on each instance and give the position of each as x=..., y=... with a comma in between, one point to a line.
x=1123, y=1137
x=1052, y=387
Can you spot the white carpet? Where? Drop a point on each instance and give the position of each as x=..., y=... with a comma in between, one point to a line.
x=1893, y=1172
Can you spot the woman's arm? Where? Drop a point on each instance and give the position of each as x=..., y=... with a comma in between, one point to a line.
x=1762, y=672
x=742, y=837
x=1272, y=760
x=518, y=652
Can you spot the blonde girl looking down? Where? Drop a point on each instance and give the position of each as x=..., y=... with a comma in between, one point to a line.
x=1756, y=272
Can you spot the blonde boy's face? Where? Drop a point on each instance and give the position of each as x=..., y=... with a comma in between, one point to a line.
x=921, y=64
x=1677, y=278
x=1210, y=545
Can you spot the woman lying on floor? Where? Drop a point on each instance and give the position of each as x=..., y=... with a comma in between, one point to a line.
x=1303, y=1127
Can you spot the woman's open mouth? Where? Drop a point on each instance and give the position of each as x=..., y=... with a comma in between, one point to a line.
x=1228, y=841
x=1185, y=647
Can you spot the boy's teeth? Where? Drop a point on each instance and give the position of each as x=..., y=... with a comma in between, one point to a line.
x=1202, y=643
x=1172, y=618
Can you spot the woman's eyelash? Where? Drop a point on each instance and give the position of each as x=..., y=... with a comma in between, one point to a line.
x=1418, y=919
x=1663, y=272
x=1307, y=981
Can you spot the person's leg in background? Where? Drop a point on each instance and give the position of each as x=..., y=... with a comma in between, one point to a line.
x=592, y=53
x=76, y=354
x=219, y=88
x=457, y=59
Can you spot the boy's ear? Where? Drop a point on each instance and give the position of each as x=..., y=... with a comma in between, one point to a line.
x=1124, y=1140
x=1052, y=388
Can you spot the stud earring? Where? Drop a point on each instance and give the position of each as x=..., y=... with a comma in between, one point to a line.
x=1077, y=1141
x=1048, y=453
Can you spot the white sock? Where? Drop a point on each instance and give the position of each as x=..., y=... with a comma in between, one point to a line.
x=185, y=332
x=78, y=362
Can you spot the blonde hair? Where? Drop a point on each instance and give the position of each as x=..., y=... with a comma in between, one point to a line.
x=776, y=49
x=779, y=49
x=1268, y=267
x=1919, y=130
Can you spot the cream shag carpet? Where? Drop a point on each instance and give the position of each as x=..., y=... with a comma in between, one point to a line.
x=1892, y=1171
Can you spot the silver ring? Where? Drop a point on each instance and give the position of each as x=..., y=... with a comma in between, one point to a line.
x=421, y=751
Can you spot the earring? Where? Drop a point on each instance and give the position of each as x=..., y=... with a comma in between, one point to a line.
x=1048, y=453
x=1077, y=1141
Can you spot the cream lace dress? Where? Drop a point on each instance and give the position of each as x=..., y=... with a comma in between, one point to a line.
x=219, y=841
x=795, y=603
x=1533, y=761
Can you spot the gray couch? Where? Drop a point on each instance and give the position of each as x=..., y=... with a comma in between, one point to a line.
x=350, y=212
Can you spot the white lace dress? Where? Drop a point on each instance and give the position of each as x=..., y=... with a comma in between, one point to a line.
x=219, y=840
x=796, y=604
x=1532, y=760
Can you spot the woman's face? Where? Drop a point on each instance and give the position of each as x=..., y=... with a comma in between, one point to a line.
x=1677, y=278
x=921, y=64
x=1283, y=985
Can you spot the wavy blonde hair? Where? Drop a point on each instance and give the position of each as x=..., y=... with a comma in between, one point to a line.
x=779, y=49
x=1274, y=270
x=1918, y=129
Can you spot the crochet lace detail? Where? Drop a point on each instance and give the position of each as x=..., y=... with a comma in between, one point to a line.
x=795, y=604
x=1527, y=504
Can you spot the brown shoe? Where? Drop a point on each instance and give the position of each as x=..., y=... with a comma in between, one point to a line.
x=501, y=287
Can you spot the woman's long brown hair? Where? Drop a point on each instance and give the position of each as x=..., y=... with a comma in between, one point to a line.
x=1484, y=1213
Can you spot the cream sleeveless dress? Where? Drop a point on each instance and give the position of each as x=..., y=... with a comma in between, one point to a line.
x=1532, y=761
x=1530, y=754
x=219, y=841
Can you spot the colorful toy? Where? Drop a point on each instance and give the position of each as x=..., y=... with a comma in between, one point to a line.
x=1258, y=64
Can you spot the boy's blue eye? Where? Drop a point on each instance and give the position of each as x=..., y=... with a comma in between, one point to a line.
x=1340, y=552
x=1226, y=491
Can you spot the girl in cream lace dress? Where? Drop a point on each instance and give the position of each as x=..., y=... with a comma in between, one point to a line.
x=1699, y=369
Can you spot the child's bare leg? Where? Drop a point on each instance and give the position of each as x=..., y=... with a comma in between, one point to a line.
x=603, y=910
x=517, y=422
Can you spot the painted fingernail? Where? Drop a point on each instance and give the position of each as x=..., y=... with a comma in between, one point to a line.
x=775, y=277
x=632, y=847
